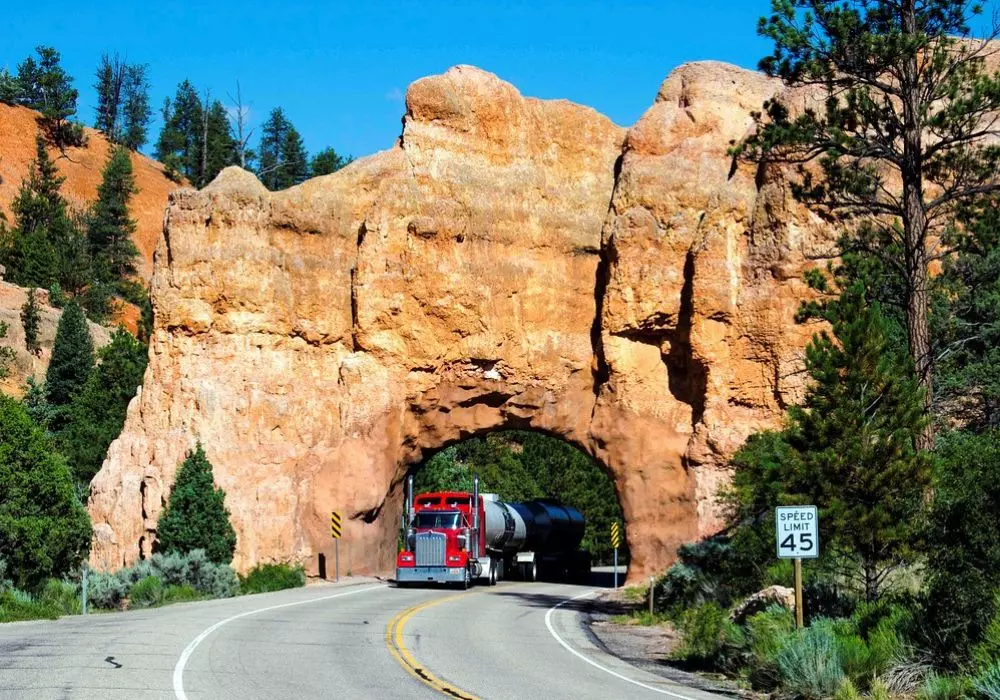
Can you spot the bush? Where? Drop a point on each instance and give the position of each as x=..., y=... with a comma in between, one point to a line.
x=272, y=577
x=44, y=529
x=106, y=590
x=16, y=605
x=146, y=593
x=63, y=595
x=809, y=662
x=196, y=515
x=709, y=640
x=987, y=683
x=766, y=632
x=180, y=594
x=194, y=569
x=937, y=687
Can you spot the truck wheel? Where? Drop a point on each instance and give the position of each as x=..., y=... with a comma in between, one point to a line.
x=493, y=574
x=468, y=579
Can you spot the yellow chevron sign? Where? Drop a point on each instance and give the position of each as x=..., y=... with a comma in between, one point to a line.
x=336, y=526
x=616, y=535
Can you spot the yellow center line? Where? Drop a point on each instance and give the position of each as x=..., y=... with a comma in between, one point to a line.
x=394, y=641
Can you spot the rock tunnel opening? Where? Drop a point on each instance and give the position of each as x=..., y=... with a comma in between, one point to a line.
x=521, y=466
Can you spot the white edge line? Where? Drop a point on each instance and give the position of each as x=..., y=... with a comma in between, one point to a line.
x=189, y=649
x=567, y=647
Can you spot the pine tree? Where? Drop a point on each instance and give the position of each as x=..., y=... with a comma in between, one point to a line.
x=30, y=319
x=905, y=139
x=283, y=158
x=179, y=145
x=44, y=86
x=7, y=354
x=97, y=413
x=43, y=230
x=122, y=102
x=10, y=89
x=110, y=227
x=327, y=161
x=220, y=146
x=849, y=448
x=137, y=112
x=45, y=531
x=72, y=358
x=196, y=515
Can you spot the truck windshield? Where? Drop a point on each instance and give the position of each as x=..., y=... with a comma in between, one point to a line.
x=441, y=520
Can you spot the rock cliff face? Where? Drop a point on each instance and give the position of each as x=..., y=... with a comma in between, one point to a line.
x=511, y=262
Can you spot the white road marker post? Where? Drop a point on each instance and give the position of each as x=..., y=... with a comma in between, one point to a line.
x=652, y=587
x=84, y=588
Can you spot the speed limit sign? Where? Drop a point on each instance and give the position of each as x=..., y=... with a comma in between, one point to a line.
x=797, y=532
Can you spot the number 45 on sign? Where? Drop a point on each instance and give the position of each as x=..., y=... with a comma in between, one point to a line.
x=797, y=532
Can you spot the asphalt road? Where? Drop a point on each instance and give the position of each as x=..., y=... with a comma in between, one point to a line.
x=515, y=640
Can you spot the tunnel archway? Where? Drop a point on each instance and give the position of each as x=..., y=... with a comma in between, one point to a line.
x=521, y=466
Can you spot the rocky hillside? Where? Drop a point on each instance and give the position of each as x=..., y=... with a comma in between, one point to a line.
x=25, y=365
x=82, y=169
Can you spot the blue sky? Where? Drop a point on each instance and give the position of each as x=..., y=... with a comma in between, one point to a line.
x=339, y=69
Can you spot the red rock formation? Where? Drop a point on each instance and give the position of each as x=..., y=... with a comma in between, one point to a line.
x=510, y=263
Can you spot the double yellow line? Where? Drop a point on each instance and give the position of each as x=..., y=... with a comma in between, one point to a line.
x=394, y=640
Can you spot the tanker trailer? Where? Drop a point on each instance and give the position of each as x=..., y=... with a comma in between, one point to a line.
x=460, y=537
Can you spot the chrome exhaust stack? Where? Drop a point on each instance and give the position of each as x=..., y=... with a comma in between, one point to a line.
x=408, y=512
x=475, y=514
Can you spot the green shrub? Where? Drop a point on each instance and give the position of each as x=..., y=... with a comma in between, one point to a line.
x=854, y=654
x=987, y=683
x=766, y=632
x=64, y=595
x=106, y=590
x=987, y=651
x=196, y=515
x=272, y=577
x=146, y=593
x=44, y=528
x=936, y=687
x=709, y=639
x=180, y=594
x=879, y=690
x=16, y=605
x=847, y=691
x=194, y=569
x=809, y=662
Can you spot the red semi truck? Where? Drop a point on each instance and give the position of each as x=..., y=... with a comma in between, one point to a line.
x=460, y=537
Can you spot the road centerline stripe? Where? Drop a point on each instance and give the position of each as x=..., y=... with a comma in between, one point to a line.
x=178, y=678
x=397, y=647
x=565, y=645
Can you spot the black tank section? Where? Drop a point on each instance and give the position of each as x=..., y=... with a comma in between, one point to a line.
x=550, y=526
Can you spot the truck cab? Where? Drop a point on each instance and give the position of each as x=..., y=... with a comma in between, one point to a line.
x=440, y=541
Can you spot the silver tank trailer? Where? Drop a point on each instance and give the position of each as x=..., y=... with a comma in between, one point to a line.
x=543, y=526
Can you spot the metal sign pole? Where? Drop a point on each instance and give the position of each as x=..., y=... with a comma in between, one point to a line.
x=799, y=616
x=337, y=551
x=616, y=567
x=85, y=577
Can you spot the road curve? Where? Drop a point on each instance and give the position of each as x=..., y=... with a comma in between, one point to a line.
x=328, y=641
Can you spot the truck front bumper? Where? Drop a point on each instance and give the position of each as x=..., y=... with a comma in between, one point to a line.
x=431, y=574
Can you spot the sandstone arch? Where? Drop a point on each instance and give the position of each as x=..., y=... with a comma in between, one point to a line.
x=511, y=262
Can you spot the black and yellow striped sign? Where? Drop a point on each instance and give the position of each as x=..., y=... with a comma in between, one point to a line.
x=616, y=535
x=336, y=527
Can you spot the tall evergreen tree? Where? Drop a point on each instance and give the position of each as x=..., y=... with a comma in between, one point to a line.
x=109, y=87
x=46, y=87
x=110, y=227
x=220, y=145
x=179, y=145
x=906, y=135
x=72, y=358
x=196, y=515
x=29, y=320
x=283, y=158
x=327, y=161
x=10, y=89
x=45, y=531
x=137, y=112
x=97, y=413
x=849, y=448
x=43, y=231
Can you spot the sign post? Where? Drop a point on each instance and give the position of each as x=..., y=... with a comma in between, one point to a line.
x=616, y=540
x=336, y=530
x=796, y=531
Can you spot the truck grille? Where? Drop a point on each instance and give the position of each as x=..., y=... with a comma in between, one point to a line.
x=430, y=549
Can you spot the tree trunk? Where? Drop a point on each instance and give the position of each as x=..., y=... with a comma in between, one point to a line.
x=915, y=227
